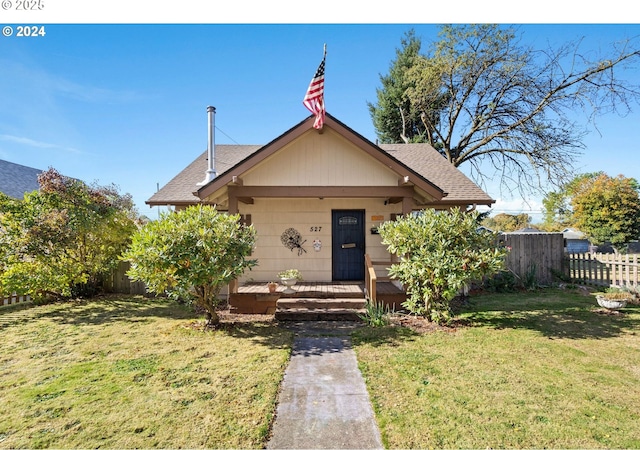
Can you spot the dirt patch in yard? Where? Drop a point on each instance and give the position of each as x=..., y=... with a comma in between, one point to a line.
x=422, y=326
x=229, y=320
x=228, y=317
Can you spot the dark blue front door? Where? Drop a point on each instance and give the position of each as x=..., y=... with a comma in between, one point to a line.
x=348, y=245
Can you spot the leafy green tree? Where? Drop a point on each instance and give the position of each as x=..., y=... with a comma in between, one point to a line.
x=607, y=209
x=393, y=116
x=60, y=240
x=507, y=110
x=507, y=222
x=557, y=210
x=191, y=254
x=441, y=252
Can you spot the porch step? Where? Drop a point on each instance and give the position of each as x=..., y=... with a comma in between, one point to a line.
x=313, y=309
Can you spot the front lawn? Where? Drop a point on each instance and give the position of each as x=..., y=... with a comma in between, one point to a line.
x=132, y=373
x=537, y=370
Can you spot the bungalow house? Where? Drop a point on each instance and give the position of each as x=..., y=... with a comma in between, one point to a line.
x=316, y=197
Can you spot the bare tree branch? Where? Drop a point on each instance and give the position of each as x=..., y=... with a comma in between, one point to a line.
x=488, y=101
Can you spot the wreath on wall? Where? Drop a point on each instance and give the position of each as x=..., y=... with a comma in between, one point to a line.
x=291, y=239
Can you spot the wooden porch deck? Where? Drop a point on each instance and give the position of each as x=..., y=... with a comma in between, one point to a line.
x=326, y=299
x=311, y=289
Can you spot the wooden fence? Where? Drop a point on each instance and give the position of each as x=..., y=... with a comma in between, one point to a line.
x=604, y=269
x=535, y=255
x=118, y=282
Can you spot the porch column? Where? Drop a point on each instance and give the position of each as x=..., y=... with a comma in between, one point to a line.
x=233, y=202
x=233, y=209
x=407, y=205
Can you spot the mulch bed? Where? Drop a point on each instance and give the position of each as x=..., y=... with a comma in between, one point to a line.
x=421, y=325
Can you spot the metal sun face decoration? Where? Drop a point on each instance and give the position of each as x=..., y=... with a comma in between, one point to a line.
x=291, y=239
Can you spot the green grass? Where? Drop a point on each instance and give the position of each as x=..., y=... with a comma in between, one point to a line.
x=131, y=373
x=528, y=370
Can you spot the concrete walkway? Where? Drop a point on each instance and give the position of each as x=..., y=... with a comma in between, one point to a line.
x=323, y=402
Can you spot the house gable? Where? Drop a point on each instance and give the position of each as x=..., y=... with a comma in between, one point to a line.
x=293, y=156
x=316, y=159
x=334, y=162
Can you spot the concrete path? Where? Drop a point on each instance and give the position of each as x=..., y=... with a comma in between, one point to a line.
x=323, y=402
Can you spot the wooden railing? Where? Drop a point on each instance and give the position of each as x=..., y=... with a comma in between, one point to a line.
x=604, y=269
x=370, y=279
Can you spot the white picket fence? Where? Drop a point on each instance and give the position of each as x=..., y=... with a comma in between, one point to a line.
x=14, y=299
x=605, y=269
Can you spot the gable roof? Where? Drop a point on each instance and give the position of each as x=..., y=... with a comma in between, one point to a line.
x=180, y=189
x=430, y=164
x=421, y=163
x=17, y=180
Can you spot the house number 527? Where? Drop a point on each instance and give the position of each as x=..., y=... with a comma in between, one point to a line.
x=315, y=229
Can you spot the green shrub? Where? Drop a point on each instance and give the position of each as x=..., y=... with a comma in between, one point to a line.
x=62, y=239
x=191, y=254
x=503, y=281
x=440, y=252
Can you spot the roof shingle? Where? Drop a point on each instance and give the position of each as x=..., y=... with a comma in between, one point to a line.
x=17, y=180
x=180, y=189
x=430, y=164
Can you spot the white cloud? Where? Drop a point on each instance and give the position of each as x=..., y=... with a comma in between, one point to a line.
x=37, y=144
x=40, y=82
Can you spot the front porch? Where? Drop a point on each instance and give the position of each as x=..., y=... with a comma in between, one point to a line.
x=343, y=297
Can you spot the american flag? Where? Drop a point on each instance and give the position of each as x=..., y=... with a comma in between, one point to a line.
x=314, y=98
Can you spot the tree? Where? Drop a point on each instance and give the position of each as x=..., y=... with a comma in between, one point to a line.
x=507, y=110
x=507, y=222
x=60, y=240
x=607, y=209
x=557, y=210
x=394, y=117
x=441, y=252
x=191, y=254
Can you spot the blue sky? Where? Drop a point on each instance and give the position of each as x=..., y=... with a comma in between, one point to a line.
x=126, y=103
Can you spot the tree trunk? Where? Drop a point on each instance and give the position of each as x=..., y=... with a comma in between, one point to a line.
x=212, y=319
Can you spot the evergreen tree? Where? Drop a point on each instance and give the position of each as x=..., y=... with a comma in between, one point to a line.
x=394, y=118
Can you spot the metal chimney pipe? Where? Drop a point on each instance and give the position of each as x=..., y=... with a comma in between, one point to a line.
x=211, y=153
